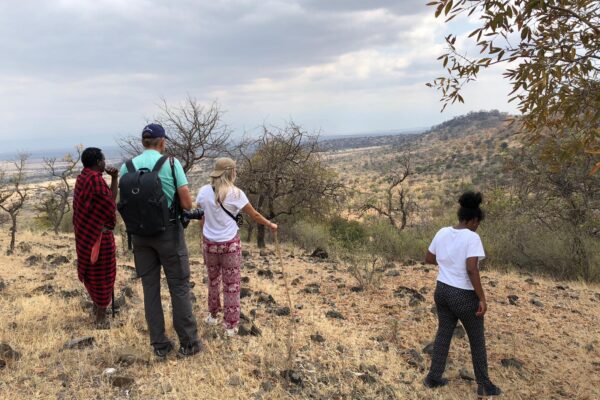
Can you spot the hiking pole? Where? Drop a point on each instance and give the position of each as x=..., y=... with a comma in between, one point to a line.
x=290, y=339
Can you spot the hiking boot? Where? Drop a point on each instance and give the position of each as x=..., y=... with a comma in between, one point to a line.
x=162, y=353
x=231, y=332
x=189, y=350
x=210, y=320
x=434, y=383
x=488, y=390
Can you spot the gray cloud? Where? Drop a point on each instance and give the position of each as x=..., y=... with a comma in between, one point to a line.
x=99, y=67
x=194, y=39
x=405, y=7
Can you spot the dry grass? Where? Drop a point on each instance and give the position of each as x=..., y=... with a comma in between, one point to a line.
x=378, y=329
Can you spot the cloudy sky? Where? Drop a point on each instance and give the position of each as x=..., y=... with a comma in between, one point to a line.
x=88, y=71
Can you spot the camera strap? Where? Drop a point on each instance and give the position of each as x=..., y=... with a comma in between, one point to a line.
x=224, y=209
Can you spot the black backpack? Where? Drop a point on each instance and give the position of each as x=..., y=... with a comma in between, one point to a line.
x=143, y=205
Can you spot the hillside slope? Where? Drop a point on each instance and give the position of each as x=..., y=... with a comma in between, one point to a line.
x=375, y=351
x=466, y=150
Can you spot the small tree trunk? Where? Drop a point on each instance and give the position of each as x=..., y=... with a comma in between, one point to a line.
x=250, y=232
x=260, y=237
x=260, y=231
x=64, y=204
x=13, y=232
x=404, y=220
x=580, y=257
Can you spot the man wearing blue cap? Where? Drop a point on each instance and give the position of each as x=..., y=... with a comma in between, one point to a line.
x=167, y=248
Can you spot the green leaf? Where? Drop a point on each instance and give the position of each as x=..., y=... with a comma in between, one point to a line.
x=448, y=7
x=451, y=18
x=474, y=32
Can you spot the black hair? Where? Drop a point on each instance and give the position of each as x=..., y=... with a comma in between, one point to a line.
x=469, y=206
x=91, y=156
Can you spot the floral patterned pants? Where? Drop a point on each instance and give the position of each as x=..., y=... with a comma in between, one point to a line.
x=223, y=262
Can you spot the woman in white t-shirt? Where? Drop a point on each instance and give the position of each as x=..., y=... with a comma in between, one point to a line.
x=222, y=202
x=459, y=295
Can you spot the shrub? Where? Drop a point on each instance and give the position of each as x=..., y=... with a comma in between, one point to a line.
x=517, y=240
x=385, y=241
x=365, y=269
x=309, y=235
x=66, y=225
x=348, y=234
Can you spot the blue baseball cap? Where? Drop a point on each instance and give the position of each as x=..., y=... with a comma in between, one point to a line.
x=153, y=131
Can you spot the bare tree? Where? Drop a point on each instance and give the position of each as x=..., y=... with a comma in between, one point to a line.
x=55, y=204
x=284, y=176
x=398, y=204
x=13, y=195
x=196, y=132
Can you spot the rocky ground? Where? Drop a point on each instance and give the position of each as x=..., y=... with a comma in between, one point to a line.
x=345, y=342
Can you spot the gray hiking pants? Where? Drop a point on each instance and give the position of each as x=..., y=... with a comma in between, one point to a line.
x=455, y=304
x=169, y=250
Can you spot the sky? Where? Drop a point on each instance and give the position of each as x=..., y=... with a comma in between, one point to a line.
x=75, y=71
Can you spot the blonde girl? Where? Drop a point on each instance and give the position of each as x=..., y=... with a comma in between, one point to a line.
x=222, y=202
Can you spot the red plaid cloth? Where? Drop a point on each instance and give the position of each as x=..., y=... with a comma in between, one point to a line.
x=94, y=210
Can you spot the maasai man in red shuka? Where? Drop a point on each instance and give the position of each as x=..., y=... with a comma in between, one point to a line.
x=94, y=218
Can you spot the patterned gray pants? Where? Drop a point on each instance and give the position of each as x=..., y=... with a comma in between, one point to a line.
x=455, y=304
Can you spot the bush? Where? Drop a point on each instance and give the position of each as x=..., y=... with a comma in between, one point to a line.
x=309, y=235
x=519, y=241
x=349, y=235
x=366, y=269
x=382, y=240
x=385, y=241
x=66, y=225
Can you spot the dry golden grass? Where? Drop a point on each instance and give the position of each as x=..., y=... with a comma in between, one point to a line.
x=378, y=329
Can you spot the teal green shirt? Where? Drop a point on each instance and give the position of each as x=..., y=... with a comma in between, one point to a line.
x=148, y=159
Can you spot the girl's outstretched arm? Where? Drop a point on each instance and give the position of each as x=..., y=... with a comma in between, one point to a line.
x=257, y=217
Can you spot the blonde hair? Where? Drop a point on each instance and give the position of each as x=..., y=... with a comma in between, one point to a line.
x=223, y=184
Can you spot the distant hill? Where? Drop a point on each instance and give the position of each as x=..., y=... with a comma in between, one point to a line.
x=344, y=142
x=473, y=122
x=464, y=151
x=459, y=127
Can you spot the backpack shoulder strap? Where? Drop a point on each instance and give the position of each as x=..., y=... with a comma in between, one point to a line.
x=176, y=202
x=172, y=164
x=159, y=163
x=130, y=166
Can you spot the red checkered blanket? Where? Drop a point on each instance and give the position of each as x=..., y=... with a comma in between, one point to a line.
x=94, y=215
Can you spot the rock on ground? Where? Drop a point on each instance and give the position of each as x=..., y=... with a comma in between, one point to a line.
x=80, y=343
x=7, y=352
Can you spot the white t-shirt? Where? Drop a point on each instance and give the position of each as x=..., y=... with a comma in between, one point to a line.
x=218, y=226
x=452, y=247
